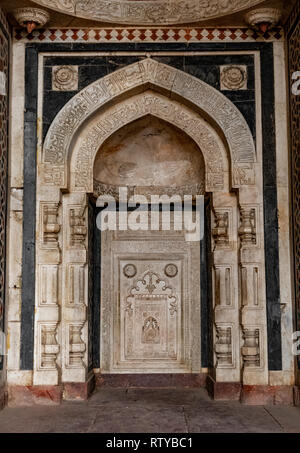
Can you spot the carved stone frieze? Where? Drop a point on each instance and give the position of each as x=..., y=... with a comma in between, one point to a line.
x=155, y=12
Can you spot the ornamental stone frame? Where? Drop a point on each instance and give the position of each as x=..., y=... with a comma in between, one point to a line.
x=65, y=179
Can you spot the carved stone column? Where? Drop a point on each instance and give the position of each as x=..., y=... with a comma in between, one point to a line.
x=47, y=310
x=75, y=289
x=225, y=289
x=252, y=293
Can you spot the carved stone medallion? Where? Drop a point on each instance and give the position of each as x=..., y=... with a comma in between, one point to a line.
x=171, y=270
x=129, y=270
x=233, y=77
x=65, y=78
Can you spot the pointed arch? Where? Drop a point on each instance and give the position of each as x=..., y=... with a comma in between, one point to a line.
x=139, y=76
x=148, y=103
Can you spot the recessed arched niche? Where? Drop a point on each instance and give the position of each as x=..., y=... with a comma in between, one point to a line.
x=148, y=156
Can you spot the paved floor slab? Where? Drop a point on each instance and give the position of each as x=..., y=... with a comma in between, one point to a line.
x=150, y=411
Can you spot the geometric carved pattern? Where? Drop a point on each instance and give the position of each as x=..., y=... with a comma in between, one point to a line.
x=157, y=35
x=4, y=62
x=145, y=72
x=148, y=12
x=294, y=58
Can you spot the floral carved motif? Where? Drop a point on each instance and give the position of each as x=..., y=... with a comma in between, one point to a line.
x=65, y=78
x=149, y=12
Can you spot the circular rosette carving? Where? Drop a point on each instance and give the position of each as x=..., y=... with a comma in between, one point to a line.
x=233, y=77
x=171, y=270
x=65, y=78
x=129, y=270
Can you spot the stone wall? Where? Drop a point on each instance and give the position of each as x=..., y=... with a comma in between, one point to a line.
x=50, y=69
x=4, y=77
x=293, y=38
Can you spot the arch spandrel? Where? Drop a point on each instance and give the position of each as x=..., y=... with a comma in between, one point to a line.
x=145, y=73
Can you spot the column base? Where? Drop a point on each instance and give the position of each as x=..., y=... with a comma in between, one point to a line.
x=223, y=391
x=78, y=391
x=29, y=395
x=3, y=397
x=256, y=395
x=155, y=380
x=260, y=395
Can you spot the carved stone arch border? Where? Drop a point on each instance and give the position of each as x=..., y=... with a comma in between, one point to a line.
x=149, y=102
x=147, y=73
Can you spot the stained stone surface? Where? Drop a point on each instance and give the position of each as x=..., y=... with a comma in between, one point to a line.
x=150, y=411
x=149, y=152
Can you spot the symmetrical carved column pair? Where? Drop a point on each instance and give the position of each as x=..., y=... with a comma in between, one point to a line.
x=47, y=312
x=239, y=307
x=225, y=280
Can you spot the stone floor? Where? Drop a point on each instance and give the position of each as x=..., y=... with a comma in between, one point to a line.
x=150, y=411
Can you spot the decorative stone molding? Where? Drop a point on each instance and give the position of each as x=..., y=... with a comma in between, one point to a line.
x=31, y=18
x=171, y=270
x=130, y=270
x=221, y=231
x=78, y=229
x=76, y=284
x=263, y=18
x=50, y=347
x=76, y=346
x=223, y=285
x=201, y=95
x=148, y=12
x=251, y=349
x=233, y=78
x=51, y=227
x=148, y=35
x=65, y=78
x=223, y=346
x=247, y=230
